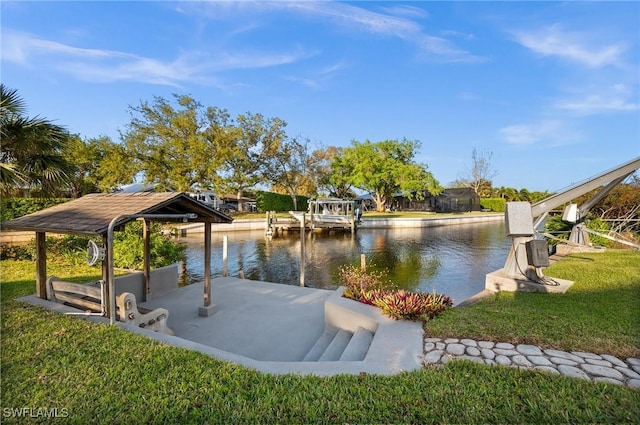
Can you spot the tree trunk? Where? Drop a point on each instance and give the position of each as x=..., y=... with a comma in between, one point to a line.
x=239, y=198
x=380, y=203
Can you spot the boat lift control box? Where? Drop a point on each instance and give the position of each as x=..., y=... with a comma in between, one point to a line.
x=518, y=219
x=537, y=253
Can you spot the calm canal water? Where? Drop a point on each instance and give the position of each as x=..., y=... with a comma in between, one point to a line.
x=452, y=260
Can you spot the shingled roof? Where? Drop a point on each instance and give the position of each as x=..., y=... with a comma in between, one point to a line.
x=91, y=214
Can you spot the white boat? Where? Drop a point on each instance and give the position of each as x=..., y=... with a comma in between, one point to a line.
x=327, y=213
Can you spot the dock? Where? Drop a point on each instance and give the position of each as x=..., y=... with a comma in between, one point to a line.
x=276, y=224
x=323, y=213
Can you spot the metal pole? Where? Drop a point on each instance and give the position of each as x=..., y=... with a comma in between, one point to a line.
x=110, y=283
x=207, y=263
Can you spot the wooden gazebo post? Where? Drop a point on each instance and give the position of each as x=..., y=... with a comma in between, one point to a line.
x=41, y=265
x=146, y=234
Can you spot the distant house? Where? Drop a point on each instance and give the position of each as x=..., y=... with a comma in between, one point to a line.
x=366, y=202
x=460, y=199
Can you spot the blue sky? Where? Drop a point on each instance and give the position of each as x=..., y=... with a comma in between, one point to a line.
x=551, y=88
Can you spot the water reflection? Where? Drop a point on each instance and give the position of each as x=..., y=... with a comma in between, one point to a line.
x=450, y=259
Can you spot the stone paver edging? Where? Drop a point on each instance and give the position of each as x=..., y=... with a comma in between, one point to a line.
x=589, y=366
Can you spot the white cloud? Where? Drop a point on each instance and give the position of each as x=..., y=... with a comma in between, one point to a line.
x=577, y=47
x=550, y=133
x=347, y=16
x=595, y=104
x=20, y=47
x=406, y=11
x=320, y=78
x=615, y=98
x=104, y=65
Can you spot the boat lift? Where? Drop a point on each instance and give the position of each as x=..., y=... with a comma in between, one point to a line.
x=528, y=255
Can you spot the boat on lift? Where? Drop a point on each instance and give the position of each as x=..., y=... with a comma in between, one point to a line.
x=328, y=213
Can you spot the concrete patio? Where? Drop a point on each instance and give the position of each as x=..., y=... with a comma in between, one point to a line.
x=276, y=328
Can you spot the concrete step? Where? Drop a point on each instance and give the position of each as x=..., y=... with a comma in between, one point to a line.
x=336, y=347
x=358, y=346
x=321, y=345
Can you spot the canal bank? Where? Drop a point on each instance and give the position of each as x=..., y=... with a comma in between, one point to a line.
x=19, y=238
x=367, y=223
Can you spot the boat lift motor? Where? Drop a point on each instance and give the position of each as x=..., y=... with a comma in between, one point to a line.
x=527, y=255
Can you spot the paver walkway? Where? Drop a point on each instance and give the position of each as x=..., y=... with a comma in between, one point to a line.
x=594, y=367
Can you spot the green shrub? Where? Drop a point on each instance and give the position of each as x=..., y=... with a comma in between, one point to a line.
x=15, y=252
x=11, y=208
x=558, y=228
x=270, y=201
x=128, y=250
x=561, y=229
x=128, y=247
x=493, y=204
x=598, y=225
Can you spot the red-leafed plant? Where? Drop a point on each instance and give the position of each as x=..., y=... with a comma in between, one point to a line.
x=371, y=288
x=407, y=305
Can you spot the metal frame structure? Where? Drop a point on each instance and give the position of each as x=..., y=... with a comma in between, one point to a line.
x=517, y=265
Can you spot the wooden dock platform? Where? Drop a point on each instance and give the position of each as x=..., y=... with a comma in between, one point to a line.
x=328, y=214
x=280, y=224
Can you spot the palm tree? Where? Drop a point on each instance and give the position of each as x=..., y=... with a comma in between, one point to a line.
x=511, y=194
x=31, y=152
x=524, y=195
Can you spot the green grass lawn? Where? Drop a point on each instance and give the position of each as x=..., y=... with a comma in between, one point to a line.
x=600, y=313
x=102, y=374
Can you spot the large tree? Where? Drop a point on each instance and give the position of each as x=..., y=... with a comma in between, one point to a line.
x=176, y=147
x=100, y=165
x=337, y=178
x=32, y=152
x=251, y=141
x=290, y=168
x=387, y=167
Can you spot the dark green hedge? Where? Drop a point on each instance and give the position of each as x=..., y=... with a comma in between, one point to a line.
x=494, y=204
x=269, y=201
x=11, y=208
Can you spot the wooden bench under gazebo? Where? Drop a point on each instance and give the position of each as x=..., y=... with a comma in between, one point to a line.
x=100, y=215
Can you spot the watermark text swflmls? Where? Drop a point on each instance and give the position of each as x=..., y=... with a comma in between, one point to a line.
x=35, y=412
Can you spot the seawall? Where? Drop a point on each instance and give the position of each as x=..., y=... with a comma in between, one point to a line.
x=367, y=223
x=19, y=238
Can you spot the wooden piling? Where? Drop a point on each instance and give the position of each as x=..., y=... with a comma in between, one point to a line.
x=302, y=254
x=225, y=244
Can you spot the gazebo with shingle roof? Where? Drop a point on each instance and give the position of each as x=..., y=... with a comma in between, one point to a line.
x=100, y=214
